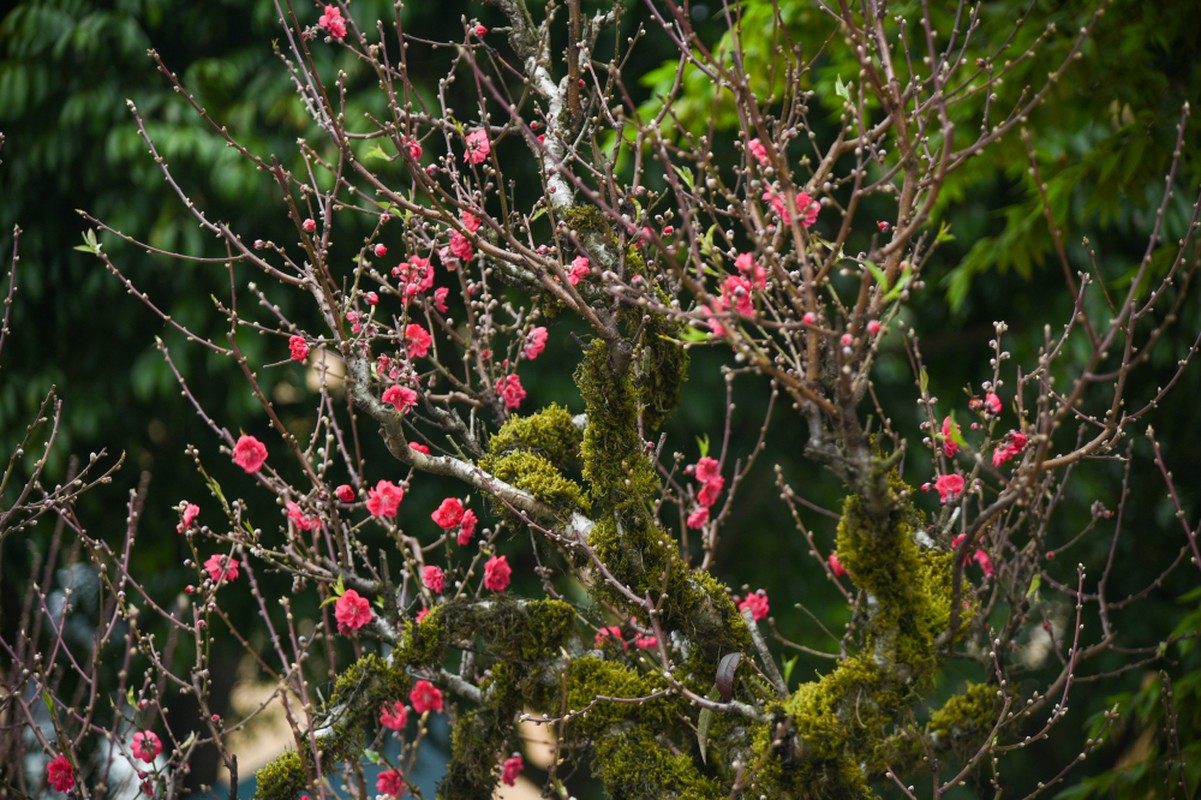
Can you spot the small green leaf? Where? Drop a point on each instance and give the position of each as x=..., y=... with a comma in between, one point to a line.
x=702, y=443
x=371, y=756
x=339, y=587
x=694, y=335
x=789, y=664
x=877, y=273
x=131, y=698
x=1034, y=584
x=944, y=233
x=686, y=176
x=923, y=381
x=90, y=243
x=49, y=701
x=376, y=153
x=704, y=721
x=841, y=89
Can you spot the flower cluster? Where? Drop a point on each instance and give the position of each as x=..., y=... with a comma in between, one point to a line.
x=707, y=471
x=511, y=391
x=249, y=453
x=425, y=697
x=352, y=611
x=757, y=603
x=221, y=568
x=333, y=22
x=384, y=499
x=496, y=574
x=451, y=514
x=511, y=769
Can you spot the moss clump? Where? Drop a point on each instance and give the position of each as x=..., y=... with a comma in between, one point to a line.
x=479, y=737
x=367, y=684
x=536, y=453
x=589, y=678
x=513, y=631
x=282, y=778
x=965, y=719
x=550, y=433
x=634, y=765
x=660, y=369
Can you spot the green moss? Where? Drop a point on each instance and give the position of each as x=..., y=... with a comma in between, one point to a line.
x=368, y=683
x=537, y=453
x=282, y=778
x=512, y=631
x=660, y=370
x=589, y=678
x=965, y=719
x=634, y=765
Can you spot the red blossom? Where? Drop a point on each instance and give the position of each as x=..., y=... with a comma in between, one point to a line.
x=433, y=578
x=707, y=496
x=190, y=512
x=471, y=222
x=390, y=782
x=950, y=429
x=707, y=469
x=984, y=561
x=393, y=716
x=146, y=746
x=60, y=775
x=460, y=247
x=836, y=565
x=736, y=294
x=1014, y=443
x=414, y=148
x=805, y=205
x=440, y=299
x=496, y=574
x=345, y=493
x=384, y=499
x=535, y=342
x=992, y=403
x=698, y=517
x=425, y=697
x=416, y=275
x=418, y=340
x=757, y=603
x=466, y=528
x=249, y=453
x=420, y=448
x=948, y=486
x=333, y=22
x=449, y=513
x=309, y=225
x=758, y=150
x=511, y=391
x=646, y=642
x=610, y=635
x=297, y=517
x=352, y=611
x=221, y=568
x=746, y=264
x=580, y=269
x=511, y=769
x=402, y=397
x=478, y=147
x=299, y=348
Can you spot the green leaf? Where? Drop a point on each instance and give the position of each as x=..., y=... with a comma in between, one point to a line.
x=49, y=701
x=131, y=698
x=704, y=721
x=1034, y=584
x=877, y=273
x=789, y=664
x=923, y=380
x=694, y=335
x=686, y=176
x=90, y=244
x=841, y=89
x=894, y=294
x=371, y=756
x=376, y=153
x=702, y=443
x=944, y=233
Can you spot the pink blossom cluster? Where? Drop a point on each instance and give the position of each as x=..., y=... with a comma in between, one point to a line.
x=333, y=21
x=352, y=611
x=497, y=573
x=757, y=603
x=806, y=207
x=510, y=390
x=451, y=514
x=980, y=556
x=384, y=499
x=707, y=471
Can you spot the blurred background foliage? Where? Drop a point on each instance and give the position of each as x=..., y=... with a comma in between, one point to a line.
x=1102, y=142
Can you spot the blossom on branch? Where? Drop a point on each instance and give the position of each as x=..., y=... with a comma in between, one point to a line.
x=433, y=578
x=390, y=782
x=418, y=340
x=511, y=391
x=393, y=716
x=806, y=207
x=496, y=574
x=1014, y=443
x=535, y=342
x=384, y=499
x=250, y=453
x=60, y=775
x=449, y=513
x=190, y=512
x=333, y=21
x=402, y=397
x=425, y=697
x=466, y=528
x=950, y=430
x=947, y=486
x=478, y=147
x=757, y=603
x=221, y=568
x=757, y=150
x=511, y=769
x=352, y=611
x=299, y=348
x=146, y=746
